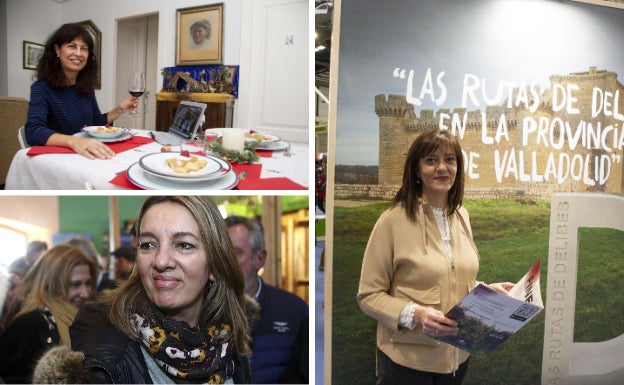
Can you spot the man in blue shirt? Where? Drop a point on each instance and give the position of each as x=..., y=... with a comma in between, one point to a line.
x=282, y=314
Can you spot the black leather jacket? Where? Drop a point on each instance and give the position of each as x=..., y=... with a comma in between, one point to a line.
x=112, y=357
x=26, y=339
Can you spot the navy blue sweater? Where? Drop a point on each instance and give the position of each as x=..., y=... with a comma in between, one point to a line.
x=64, y=111
x=274, y=335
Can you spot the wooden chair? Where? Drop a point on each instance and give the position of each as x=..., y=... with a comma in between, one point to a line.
x=21, y=137
x=13, y=112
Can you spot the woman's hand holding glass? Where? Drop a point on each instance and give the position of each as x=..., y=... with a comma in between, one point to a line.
x=130, y=105
x=136, y=87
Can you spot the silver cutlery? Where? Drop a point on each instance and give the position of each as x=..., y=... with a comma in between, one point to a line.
x=287, y=152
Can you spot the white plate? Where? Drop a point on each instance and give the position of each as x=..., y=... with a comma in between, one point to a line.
x=274, y=146
x=155, y=164
x=143, y=179
x=272, y=138
x=120, y=138
x=93, y=131
x=220, y=174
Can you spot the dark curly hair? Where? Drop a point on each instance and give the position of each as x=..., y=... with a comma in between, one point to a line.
x=49, y=67
x=411, y=190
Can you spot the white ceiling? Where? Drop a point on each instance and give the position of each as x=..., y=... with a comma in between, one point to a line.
x=323, y=26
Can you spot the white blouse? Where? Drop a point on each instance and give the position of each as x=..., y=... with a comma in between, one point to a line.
x=406, y=319
x=441, y=216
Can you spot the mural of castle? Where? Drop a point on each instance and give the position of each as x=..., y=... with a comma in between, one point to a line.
x=556, y=157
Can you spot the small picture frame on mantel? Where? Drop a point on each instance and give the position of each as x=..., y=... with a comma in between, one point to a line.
x=32, y=53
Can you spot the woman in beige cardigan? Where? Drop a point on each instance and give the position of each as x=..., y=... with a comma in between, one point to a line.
x=420, y=261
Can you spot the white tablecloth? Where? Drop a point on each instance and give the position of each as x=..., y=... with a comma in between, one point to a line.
x=75, y=172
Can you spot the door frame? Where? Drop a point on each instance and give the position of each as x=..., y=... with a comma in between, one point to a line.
x=137, y=50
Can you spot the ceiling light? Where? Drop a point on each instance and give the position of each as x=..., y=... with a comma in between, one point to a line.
x=319, y=48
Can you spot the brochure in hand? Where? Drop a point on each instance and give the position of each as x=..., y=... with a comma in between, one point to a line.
x=486, y=317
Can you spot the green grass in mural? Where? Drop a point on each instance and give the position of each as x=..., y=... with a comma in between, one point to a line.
x=353, y=339
x=319, y=228
x=511, y=237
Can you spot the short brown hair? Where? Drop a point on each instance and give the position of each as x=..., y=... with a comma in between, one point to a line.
x=411, y=190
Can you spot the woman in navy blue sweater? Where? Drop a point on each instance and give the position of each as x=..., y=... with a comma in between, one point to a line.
x=62, y=100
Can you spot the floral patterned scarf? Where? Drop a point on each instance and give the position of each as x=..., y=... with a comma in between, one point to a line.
x=185, y=353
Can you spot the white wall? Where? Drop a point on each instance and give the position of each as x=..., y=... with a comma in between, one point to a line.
x=3, y=48
x=35, y=20
x=30, y=20
x=274, y=83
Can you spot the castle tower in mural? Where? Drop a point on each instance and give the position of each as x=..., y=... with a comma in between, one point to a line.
x=538, y=147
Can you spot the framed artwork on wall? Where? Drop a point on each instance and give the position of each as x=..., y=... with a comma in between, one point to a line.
x=199, y=35
x=96, y=35
x=32, y=53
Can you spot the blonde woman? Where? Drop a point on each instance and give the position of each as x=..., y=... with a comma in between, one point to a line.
x=182, y=315
x=59, y=284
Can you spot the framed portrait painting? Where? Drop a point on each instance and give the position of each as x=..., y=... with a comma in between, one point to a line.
x=32, y=53
x=199, y=36
x=96, y=35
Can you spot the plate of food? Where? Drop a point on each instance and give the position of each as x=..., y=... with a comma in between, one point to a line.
x=263, y=137
x=141, y=178
x=225, y=169
x=104, y=132
x=124, y=136
x=274, y=146
x=183, y=165
x=250, y=135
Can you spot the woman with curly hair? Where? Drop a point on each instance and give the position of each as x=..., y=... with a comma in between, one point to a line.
x=62, y=99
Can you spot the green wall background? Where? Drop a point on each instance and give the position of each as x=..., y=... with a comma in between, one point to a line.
x=89, y=214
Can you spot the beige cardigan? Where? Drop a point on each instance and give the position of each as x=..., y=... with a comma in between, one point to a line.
x=406, y=261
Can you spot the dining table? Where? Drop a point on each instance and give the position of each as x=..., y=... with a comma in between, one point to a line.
x=59, y=168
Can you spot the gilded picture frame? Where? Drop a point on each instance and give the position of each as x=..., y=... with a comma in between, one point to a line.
x=199, y=35
x=32, y=52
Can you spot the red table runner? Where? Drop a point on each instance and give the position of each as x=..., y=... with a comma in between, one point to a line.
x=264, y=153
